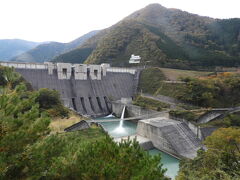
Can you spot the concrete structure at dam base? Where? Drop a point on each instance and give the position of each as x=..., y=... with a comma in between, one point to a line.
x=158, y=130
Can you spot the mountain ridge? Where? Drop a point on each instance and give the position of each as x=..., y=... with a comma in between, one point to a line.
x=12, y=47
x=165, y=37
x=47, y=51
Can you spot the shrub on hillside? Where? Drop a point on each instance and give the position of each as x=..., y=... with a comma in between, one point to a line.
x=221, y=160
x=58, y=111
x=187, y=114
x=11, y=78
x=50, y=100
x=150, y=103
x=77, y=156
x=3, y=80
x=232, y=119
x=222, y=90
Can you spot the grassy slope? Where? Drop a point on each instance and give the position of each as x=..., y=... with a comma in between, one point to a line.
x=190, y=115
x=150, y=103
x=170, y=89
x=152, y=80
x=58, y=124
x=175, y=74
x=86, y=135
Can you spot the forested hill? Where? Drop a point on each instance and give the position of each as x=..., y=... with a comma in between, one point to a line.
x=165, y=37
x=46, y=52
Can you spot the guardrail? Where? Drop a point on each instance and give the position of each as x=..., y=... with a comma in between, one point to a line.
x=121, y=70
x=22, y=65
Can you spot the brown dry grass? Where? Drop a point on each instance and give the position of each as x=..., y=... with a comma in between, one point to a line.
x=59, y=124
x=175, y=74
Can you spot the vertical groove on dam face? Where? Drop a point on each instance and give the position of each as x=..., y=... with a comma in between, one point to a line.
x=99, y=103
x=91, y=104
x=89, y=96
x=106, y=102
x=74, y=104
x=83, y=105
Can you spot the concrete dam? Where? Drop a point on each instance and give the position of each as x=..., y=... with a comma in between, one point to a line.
x=96, y=90
x=87, y=89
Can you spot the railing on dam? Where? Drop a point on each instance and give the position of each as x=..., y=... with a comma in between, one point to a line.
x=121, y=70
x=23, y=65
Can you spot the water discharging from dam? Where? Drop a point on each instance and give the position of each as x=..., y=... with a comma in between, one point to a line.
x=120, y=128
x=128, y=128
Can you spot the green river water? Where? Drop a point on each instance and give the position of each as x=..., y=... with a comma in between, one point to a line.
x=129, y=128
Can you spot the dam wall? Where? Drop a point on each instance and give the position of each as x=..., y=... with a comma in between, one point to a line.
x=88, y=89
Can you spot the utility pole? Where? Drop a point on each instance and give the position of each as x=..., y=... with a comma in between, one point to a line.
x=144, y=67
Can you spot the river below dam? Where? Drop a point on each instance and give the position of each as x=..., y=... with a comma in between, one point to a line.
x=128, y=129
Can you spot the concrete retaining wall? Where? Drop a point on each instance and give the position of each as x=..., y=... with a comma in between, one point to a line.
x=132, y=110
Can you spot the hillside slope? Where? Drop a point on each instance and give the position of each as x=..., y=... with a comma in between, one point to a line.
x=13, y=47
x=46, y=52
x=80, y=53
x=165, y=37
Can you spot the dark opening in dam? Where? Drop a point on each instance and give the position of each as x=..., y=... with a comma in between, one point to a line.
x=74, y=104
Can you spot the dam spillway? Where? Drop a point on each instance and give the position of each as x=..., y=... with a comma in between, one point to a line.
x=88, y=89
x=171, y=136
